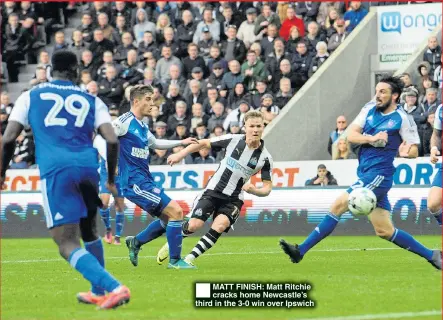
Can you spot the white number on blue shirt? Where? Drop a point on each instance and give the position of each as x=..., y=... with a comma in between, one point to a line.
x=80, y=113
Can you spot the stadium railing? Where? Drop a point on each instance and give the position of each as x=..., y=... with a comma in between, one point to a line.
x=339, y=86
x=410, y=66
x=342, y=86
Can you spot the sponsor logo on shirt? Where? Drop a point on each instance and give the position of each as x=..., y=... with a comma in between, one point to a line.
x=234, y=165
x=140, y=153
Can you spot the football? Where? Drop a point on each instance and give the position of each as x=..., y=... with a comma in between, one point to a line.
x=362, y=201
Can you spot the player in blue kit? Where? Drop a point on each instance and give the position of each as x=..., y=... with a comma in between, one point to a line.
x=63, y=119
x=105, y=196
x=434, y=197
x=382, y=130
x=137, y=183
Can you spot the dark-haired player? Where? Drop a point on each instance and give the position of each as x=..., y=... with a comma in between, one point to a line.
x=63, y=119
x=138, y=184
x=382, y=129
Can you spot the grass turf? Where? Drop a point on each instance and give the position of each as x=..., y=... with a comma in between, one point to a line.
x=37, y=284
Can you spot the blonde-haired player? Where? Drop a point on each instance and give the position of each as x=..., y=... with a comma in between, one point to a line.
x=245, y=156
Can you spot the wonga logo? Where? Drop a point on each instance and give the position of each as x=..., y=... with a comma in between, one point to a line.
x=394, y=21
x=391, y=22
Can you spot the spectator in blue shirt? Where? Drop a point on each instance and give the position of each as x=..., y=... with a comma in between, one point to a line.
x=354, y=15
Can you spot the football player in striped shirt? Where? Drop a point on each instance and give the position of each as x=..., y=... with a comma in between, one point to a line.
x=222, y=198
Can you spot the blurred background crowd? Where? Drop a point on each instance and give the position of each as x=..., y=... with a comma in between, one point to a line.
x=209, y=62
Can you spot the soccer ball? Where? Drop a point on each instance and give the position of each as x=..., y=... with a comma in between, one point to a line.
x=362, y=201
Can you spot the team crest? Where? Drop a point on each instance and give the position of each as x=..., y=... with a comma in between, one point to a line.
x=198, y=212
x=253, y=161
x=156, y=190
x=391, y=123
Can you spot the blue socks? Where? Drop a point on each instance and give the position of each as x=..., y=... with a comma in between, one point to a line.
x=326, y=226
x=173, y=233
x=175, y=238
x=104, y=213
x=154, y=230
x=91, y=269
x=406, y=241
x=96, y=249
x=119, y=223
x=437, y=216
x=400, y=238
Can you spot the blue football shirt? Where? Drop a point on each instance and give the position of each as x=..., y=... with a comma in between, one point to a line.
x=63, y=119
x=399, y=127
x=135, y=141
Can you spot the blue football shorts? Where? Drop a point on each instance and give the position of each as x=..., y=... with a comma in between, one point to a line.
x=68, y=194
x=148, y=196
x=437, y=179
x=104, y=189
x=379, y=184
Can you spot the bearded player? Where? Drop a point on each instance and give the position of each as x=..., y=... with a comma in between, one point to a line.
x=382, y=130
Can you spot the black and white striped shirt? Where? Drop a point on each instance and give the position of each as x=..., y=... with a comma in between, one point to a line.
x=239, y=165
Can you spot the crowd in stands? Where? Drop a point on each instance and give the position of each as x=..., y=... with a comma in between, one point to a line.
x=209, y=62
x=420, y=100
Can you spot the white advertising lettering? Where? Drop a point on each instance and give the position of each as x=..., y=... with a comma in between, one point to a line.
x=285, y=174
x=401, y=29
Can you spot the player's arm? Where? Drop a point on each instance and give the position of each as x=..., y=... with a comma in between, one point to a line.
x=195, y=147
x=266, y=176
x=222, y=142
x=264, y=191
x=107, y=130
x=163, y=144
x=356, y=127
x=355, y=136
x=18, y=119
x=435, y=144
x=112, y=149
x=411, y=139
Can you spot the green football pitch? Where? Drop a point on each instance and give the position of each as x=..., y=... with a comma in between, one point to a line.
x=353, y=278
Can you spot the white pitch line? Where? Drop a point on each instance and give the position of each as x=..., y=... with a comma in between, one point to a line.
x=399, y=315
x=207, y=254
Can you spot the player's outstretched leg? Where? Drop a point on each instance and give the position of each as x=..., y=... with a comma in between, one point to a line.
x=105, y=215
x=381, y=220
x=97, y=294
x=119, y=223
x=119, y=219
x=154, y=230
x=174, y=236
x=220, y=224
x=163, y=253
x=434, y=200
x=325, y=228
x=93, y=244
x=67, y=238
